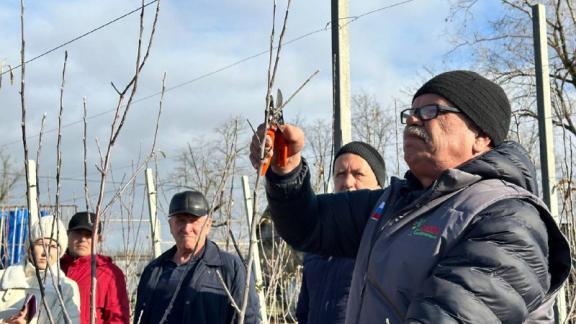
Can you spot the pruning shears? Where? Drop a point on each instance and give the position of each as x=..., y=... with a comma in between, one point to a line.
x=275, y=118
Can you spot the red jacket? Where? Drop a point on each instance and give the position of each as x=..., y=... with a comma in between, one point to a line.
x=111, y=296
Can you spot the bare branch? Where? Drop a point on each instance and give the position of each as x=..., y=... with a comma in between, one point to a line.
x=23, y=126
x=300, y=88
x=84, y=144
x=232, y=302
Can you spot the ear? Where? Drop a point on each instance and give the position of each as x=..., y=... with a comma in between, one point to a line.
x=482, y=143
x=208, y=225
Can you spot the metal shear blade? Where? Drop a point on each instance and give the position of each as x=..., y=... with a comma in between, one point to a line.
x=276, y=114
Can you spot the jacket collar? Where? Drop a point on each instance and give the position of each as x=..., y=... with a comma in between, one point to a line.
x=210, y=256
x=507, y=161
x=69, y=259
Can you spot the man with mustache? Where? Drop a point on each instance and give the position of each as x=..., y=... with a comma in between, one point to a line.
x=190, y=282
x=462, y=238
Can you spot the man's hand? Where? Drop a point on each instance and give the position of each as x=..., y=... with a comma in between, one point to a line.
x=294, y=138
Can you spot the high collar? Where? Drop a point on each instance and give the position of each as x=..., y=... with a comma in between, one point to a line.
x=210, y=255
x=507, y=161
x=100, y=259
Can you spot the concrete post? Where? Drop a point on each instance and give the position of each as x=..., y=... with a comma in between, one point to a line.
x=32, y=193
x=340, y=74
x=154, y=223
x=546, y=131
x=256, y=265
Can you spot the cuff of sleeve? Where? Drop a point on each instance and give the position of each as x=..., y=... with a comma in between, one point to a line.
x=281, y=187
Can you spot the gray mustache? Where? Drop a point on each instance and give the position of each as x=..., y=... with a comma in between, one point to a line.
x=417, y=131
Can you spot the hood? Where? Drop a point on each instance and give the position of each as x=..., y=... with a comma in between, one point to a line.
x=509, y=162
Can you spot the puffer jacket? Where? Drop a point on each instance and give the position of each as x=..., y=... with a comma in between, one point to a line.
x=17, y=281
x=204, y=295
x=324, y=291
x=111, y=296
x=477, y=246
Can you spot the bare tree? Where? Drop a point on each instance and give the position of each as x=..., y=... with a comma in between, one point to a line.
x=9, y=177
x=282, y=273
x=373, y=125
x=504, y=51
x=319, y=138
x=209, y=166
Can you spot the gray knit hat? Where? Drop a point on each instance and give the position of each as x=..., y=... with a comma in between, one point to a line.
x=49, y=227
x=370, y=155
x=481, y=100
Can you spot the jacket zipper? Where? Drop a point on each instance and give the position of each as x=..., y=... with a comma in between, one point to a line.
x=377, y=231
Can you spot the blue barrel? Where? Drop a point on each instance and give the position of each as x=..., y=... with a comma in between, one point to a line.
x=13, y=238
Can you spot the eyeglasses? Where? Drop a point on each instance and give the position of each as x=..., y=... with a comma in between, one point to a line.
x=425, y=112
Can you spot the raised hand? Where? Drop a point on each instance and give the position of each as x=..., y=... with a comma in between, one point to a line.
x=294, y=140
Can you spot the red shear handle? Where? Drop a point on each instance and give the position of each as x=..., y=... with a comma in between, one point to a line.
x=280, y=149
x=271, y=132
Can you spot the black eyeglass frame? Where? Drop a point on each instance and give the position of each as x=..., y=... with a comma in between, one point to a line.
x=418, y=112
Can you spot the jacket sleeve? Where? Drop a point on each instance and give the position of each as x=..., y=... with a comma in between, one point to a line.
x=141, y=294
x=117, y=309
x=327, y=224
x=71, y=297
x=496, y=273
x=303, y=302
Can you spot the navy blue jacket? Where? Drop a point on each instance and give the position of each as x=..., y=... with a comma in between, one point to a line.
x=324, y=291
x=204, y=295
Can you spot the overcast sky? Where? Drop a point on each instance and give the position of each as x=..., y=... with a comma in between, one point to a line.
x=391, y=50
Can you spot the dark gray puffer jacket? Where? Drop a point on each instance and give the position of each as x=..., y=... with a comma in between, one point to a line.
x=475, y=247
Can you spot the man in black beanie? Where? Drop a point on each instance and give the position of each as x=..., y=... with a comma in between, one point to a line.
x=326, y=280
x=462, y=238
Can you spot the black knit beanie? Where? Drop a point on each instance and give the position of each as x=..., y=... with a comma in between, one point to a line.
x=368, y=153
x=481, y=100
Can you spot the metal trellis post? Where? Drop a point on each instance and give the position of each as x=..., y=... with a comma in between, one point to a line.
x=546, y=130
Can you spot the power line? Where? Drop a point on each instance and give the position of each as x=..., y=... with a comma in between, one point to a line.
x=81, y=36
x=71, y=179
x=208, y=74
x=397, y=4
x=200, y=77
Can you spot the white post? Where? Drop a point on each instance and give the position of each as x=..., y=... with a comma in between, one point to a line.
x=3, y=238
x=154, y=223
x=32, y=193
x=546, y=131
x=257, y=268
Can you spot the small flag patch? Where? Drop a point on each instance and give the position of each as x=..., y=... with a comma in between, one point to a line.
x=378, y=212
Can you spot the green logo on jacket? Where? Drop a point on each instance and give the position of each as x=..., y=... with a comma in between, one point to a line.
x=419, y=228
